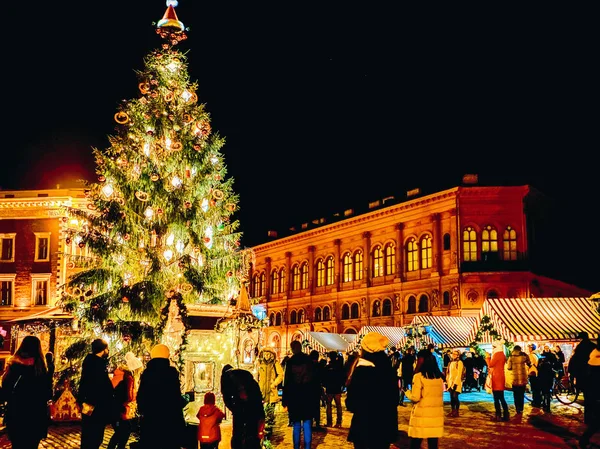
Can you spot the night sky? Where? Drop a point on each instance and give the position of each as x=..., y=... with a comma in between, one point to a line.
x=325, y=105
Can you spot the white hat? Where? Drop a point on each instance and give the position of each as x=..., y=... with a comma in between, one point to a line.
x=133, y=362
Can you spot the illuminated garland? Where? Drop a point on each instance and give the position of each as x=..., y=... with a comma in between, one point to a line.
x=486, y=326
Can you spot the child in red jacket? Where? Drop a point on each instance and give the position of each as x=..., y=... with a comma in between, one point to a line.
x=209, y=429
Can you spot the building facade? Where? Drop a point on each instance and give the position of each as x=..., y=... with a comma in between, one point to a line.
x=439, y=254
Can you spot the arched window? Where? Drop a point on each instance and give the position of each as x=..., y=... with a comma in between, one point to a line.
x=390, y=259
x=278, y=319
x=387, y=307
x=301, y=316
x=358, y=265
x=274, y=282
x=272, y=319
x=446, y=239
x=347, y=264
x=345, y=312
x=296, y=278
x=293, y=317
x=489, y=242
x=377, y=262
x=320, y=273
x=446, y=298
x=304, y=276
x=412, y=255
x=469, y=244
x=376, y=308
x=263, y=281
x=276, y=344
x=423, y=304
x=412, y=305
x=492, y=294
x=350, y=331
x=282, y=285
x=254, y=286
x=426, y=252
x=354, y=310
x=329, y=271
x=509, y=244
x=318, y=314
x=326, y=313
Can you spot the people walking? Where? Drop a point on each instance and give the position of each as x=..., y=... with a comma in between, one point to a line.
x=407, y=366
x=333, y=382
x=125, y=381
x=546, y=363
x=579, y=360
x=209, y=427
x=427, y=417
x=27, y=388
x=242, y=396
x=518, y=363
x=496, y=369
x=454, y=381
x=319, y=393
x=270, y=375
x=592, y=398
x=372, y=396
x=95, y=396
x=160, y=402
x=299, y=386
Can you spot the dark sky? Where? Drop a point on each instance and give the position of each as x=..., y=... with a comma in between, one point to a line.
x=324, y=105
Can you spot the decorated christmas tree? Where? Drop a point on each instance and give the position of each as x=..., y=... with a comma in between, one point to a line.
x=160, y=229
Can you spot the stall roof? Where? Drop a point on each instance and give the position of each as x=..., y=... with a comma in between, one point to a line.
x=448, y=331
x=394, y=334
x=535, y=319
x=53, y=313
x=333, y=342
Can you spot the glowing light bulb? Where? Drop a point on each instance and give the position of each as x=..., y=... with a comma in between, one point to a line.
x=172, y=3
x=108, y=190
x=204, y=205
x=176, y=182
x=180, y=246
x=168, y=254
x=214, y=160
x=170, y=239
x=149, y=213
x=167, y=143
x=173, y=67
x=186, y=95
x=147, y=149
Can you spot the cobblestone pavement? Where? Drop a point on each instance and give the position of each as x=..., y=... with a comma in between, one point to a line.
x=473, y=428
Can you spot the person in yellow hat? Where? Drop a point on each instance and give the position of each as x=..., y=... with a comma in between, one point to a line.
x=372, y=396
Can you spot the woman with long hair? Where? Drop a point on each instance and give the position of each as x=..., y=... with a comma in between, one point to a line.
x=27, y=388
x=427, y=415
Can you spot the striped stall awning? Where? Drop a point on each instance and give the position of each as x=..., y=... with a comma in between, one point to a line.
x=536, y=319
x=394, y=334
x=448, y=331
x=331, y=342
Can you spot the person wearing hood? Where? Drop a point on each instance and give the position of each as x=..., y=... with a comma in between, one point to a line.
x=591, y=414
x=125, y=381
x=496, y=366
x=27, y=388
x=372, y=396
x=518, y=363
x=270, y=375
x=209, y=428
x=160, y=403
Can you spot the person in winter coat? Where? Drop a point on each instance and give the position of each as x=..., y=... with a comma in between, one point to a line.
x=95, y=396
x=518, y=363
x=160, y=403
x=579, y=360
x=27, y=389
x=407, y=367
x=427, y=415
x=454, y=381
x=496, y=369
x=209, y=428
x=333, y=382
x=125, y=381
x=242, y=396
x=372, y=396
x=546, y=363
x=536, y=393
x=591, y=415
x=270, y=375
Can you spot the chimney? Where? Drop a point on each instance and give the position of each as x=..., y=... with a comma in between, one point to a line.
x=272, y=234
x=413, y=192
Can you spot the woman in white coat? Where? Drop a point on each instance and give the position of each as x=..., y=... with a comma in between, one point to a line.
x=454, y=381
x=427, y=415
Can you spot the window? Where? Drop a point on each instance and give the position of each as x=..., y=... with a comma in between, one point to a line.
x=326, y=313
x=262, y=284
x=377, y=262
x=7, y=289
x=272, y=319
x=412, y=255
x=304, y=276
x=329, y=271
x=320, y=273
x=318, y=314
x=354, y=313
x=293, y=317
x=274, y=282
x=423, y=304
x=446, y=239
x=489, y=240
x=492, y=294
x=350, y=331
x=376, y=308
x=426, y=252
x=347, y=268
x=253, y=285
x=412, y=305
x=39, y=290
x=295, y=278
x=387, y=307
x=301, y=316
x=390, y=259
x=278, y=319
x=7, y=247
x=469, y=244
x=509, y=244
x=345, y=312
x=446, y=298
x=358, y=266
x=42, y=247
x=282, y=284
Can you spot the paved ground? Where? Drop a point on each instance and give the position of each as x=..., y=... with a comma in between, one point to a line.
x=474, y=428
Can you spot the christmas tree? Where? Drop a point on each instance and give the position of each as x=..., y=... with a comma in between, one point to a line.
x=160, y=226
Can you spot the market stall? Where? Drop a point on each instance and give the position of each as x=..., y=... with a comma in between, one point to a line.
x=325, y=341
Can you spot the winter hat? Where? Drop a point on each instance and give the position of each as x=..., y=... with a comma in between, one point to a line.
x=374, y=342
x=160, y=351
x=99, y=345
x=132, y=361
x=209, y=398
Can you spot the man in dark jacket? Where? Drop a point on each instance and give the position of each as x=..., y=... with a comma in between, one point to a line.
x=95, y=396
x=333, y=382
x=160, y=403
x=242, y=396
x=579, y=360
x=407, y=368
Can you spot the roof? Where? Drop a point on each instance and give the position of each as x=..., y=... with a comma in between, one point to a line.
x=53, y=313
x=394, y=334
x=534, y=319
x=448, y=331
x=332, y=342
